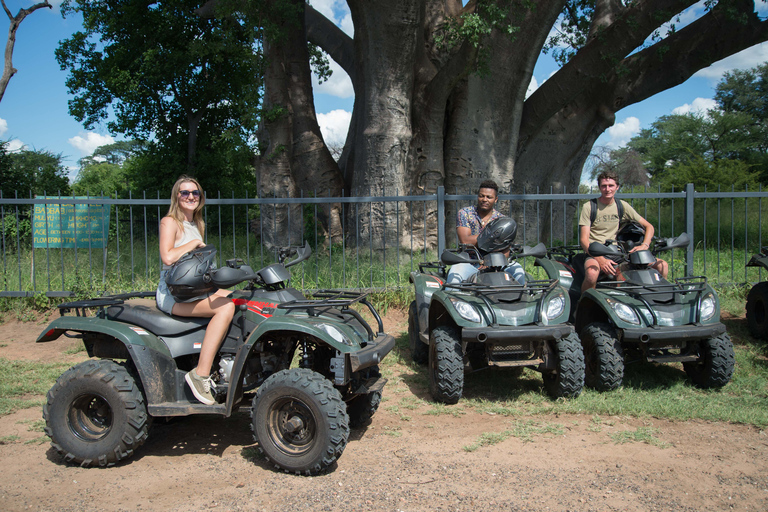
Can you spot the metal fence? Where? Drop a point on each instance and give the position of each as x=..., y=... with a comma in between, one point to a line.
x=384, y=238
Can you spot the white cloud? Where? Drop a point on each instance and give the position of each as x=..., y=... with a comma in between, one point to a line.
x=89, y=141
x=337, y=11
x=620, y=133
x=699, y=106
x=3, y=126
x=745, y=59
x=338, y=85
x=334, y=126
x=15, y=145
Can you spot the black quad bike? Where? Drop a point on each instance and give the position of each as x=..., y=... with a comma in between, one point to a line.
x=100, y=411
x=491, y=319
x=644, y=317
x=757, y=299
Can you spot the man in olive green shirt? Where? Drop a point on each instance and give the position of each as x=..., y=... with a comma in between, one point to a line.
x=605, y=227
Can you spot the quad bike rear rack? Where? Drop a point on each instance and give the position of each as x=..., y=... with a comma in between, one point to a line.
x=483, y=291
x=336, y=299
x=80, y=306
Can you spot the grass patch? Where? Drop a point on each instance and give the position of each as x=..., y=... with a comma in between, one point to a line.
x=647, y=435
x=523, y=430
x=23, y=384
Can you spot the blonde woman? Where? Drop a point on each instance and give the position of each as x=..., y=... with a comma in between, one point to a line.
x=181, y=231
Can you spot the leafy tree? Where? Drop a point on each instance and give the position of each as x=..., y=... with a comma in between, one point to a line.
x=166, y=72
x=625, y=162
x=32, y=172
x=13, y=27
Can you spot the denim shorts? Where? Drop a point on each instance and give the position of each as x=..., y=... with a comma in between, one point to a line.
x=165, y=300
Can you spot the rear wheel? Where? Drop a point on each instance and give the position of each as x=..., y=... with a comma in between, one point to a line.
x=714, y=368
x=757, y=310
x=300, y=421
x=419, y=351
x=603, y=358
x=568, y=380
x=446, y=365
x=95, y=414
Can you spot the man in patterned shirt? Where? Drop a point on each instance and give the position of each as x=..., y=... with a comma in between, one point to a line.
x=470, y=222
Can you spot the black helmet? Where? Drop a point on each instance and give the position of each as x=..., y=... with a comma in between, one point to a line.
x=188, y=278
x=497, y=235
x=631, y=233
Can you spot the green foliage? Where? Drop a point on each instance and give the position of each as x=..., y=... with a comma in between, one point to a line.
x=31, y=172
x=165, y=71
x=710, y=174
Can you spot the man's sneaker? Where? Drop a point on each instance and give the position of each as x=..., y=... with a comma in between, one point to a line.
x=201, y=387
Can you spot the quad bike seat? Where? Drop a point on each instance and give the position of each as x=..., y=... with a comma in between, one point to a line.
x=144, y=313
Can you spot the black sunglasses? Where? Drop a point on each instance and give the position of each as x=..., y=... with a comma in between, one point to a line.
x=185, y=193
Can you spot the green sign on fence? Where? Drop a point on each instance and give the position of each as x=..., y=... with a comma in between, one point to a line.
x=71, y=225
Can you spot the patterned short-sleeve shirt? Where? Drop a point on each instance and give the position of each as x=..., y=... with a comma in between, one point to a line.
x=468, y=218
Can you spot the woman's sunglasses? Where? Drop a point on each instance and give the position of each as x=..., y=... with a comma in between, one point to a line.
x=185, y=193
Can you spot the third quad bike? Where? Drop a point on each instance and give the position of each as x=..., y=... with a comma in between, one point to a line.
x=491, y=319
x=100, y=411
x=757, y=299
x=644, y=317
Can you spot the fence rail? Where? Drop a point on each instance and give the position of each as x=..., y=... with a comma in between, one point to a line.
x=381, y=240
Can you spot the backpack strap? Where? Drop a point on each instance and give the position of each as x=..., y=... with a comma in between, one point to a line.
x=593, y=212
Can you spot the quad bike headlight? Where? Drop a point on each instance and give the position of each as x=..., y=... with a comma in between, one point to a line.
x=707, y=307
x=334, y=333
x=555, y=306
x=466, y=310
x=623, y=311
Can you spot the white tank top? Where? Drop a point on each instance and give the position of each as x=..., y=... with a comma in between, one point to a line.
x=190, y=233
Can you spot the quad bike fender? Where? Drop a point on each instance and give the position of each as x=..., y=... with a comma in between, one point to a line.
x=116, y=340
x=344, y=339
x=425, y=286
x=758, y=260
x=442, y=312
x=556, y=270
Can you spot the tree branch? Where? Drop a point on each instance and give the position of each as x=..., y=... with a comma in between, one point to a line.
x=325, y=34
x=672, y=61
x=598, y=58
x=8, y=69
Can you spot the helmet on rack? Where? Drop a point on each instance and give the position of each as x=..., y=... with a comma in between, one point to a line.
x=188, y=279
x=497, y=235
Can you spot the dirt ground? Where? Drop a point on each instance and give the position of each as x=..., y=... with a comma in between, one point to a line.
x=404, y=460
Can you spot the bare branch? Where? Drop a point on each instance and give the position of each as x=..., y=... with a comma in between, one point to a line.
x=8, y=69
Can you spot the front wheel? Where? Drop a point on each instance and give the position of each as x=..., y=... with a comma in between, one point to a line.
x=362, y=407
x=603, y=357
x=714, y=368
x=419, y=351
x=300, y=421
x=757, y=311
x=568, y=380
x=95, y=414
x=446, y=365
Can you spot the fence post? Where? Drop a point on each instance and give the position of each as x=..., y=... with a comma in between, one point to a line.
x=440, y=220
x=689, y=226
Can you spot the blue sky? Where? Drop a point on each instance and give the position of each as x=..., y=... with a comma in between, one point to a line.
x=34, y=114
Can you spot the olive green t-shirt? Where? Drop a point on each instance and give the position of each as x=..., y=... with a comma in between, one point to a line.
x=606, y=223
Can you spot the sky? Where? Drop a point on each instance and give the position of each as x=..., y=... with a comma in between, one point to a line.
x=34, y=112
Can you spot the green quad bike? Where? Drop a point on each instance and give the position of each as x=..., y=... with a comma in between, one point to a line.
x=100, y=411
x=645, y=317
x=757, y=299
x=491, y=319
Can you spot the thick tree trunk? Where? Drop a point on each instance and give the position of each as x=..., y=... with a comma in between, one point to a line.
x=296, y=161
